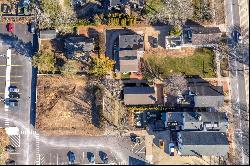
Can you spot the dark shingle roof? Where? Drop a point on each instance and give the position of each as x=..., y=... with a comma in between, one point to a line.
x=131, y=42
x=205, y=116
x=139, y=95
x=205, y=35
x=206, y=90
x=203, y=138
x=206, y=95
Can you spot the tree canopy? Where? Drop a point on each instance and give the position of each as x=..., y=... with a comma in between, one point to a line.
x=101, y=66
x=45, y=62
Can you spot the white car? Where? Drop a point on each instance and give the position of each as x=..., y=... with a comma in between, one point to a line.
x=13, y=89
x=171, y=149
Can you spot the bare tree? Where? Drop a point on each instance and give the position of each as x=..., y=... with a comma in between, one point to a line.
x=175, y=12
x=175, y=84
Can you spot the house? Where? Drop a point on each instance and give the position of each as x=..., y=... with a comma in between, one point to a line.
x=205, y=36
x=139, y=95
x=194, y=37
x=47, y=34
x=77, y=46
x=135, y=4
x=196, y=121
x=205, y=96
x=209, y=121
x=131, y=49
x=205, y=143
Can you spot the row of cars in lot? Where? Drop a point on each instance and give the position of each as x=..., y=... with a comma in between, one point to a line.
x=90, y=156
x=14, y=95
x=31, y=27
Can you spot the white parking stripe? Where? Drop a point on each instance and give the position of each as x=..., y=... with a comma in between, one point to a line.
x=7, y=84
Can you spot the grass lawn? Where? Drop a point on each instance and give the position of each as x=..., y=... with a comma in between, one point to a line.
x=200, y=63
x=154, y=6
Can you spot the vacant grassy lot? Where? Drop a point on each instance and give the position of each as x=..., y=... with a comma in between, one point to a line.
x=200, y=63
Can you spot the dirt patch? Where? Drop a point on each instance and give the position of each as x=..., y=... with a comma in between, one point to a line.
x=66, y=106
x=219, y=11
x=4, y=141
x=91, y=31
x=183, y=52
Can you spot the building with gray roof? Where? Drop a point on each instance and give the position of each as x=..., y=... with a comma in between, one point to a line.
x=216, y=121
x=132, y=3
x=131, y=42
x=196, y=121
x=202, y=143
x=129, y=61
x=78, y=44
x=204, y=95
x=131, y=48
x=195, y=36
x=139, y=95
x=47, y=34
x=205, y=35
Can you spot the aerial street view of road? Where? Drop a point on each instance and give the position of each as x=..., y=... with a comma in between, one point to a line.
x=19, y=82
x=237, y=14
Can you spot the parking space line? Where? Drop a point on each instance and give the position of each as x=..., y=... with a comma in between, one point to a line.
x=57, y=162
x=12, y=65
x=83, y=157
x=10, y=76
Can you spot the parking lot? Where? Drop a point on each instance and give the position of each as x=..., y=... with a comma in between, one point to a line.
x=19, y=41
x=59, y=156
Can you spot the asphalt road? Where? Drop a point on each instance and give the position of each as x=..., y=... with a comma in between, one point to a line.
x=237, y=80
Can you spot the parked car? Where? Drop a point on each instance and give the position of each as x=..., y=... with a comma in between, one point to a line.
x=13, y=89
x=104, y=157
x=91, y=157
x=171, y=149
x=10, y=149
x=10, y=162
x=71, y=157
x=161, y=144
x=237, y=36
x=32, y=27
x=155, y=43
x=14, y=95
x=138, y=119
x=11, y=102
x=10, y=27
